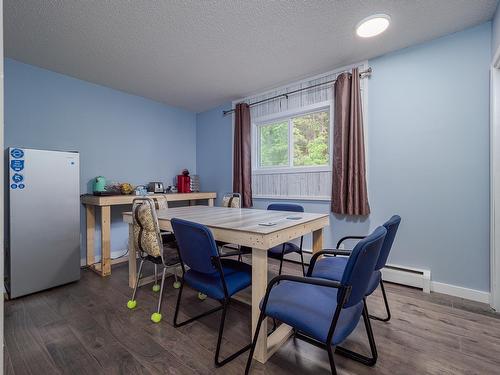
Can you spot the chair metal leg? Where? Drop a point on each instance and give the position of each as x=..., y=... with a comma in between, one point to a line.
x=371, y=339
x=223, y=307
x=177, y=283
x=254, y=342
x=302, y=260
x=156, y=287
x=132, y=303
x=161, y=290
x=333, y=368
x=281, y=259
x=218, y=362
x=156, y=317
x=139, y=274
x=176, y=325
x=386, y=302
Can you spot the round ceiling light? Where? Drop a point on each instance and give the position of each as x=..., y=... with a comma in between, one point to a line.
x=373, y=25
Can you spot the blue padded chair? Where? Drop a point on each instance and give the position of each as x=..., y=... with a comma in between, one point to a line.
x=209, y=274
x=325, y=312
x=333, y=267
x=279, y=252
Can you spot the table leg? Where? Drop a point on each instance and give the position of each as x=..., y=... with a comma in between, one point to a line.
x=211, y=202
x=105, y=240
x=266, y=345
x=90, y=219
x=259, y=285
x=132, y=254
x=317, y=240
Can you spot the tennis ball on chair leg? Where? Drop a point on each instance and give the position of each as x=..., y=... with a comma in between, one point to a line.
x=131, y=304
x=201, y=296
x=156, y=288
x=177, y=284
x=156, y=317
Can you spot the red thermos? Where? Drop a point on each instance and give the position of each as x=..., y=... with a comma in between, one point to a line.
x=183, y=184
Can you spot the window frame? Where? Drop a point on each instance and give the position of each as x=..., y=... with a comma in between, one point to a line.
x=288, y=116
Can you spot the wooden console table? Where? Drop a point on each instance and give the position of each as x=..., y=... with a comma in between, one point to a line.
x=103, y=268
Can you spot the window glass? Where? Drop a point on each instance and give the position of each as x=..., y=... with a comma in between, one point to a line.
x=273, y=144
x=311, y=139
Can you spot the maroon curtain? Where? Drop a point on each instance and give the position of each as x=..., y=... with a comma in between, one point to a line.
x=349, y=193
x=242, y=160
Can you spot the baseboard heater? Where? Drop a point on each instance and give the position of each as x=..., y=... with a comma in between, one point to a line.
x=408, y=276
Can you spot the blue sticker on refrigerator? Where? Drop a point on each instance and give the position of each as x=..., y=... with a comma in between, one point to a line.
x=17, y=165
x=17, y=153
x=17, y=178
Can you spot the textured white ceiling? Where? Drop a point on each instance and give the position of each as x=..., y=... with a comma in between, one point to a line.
x=197, y=54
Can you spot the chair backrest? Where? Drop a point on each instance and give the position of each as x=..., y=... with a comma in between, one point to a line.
x=361, y=265
x=392, y=227
x=285, y=207
x=196, y=245
x=147, y=237
x=232, y=200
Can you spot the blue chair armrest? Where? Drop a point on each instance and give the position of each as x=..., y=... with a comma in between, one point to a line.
x=349, y=238
x=335, y=252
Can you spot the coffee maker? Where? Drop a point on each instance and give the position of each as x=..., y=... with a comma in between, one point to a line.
x=184, y=182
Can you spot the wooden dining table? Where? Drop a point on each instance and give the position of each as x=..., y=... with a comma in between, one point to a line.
x=246, y=227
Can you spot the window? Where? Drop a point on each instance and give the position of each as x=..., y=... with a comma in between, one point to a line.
x=274, y=144
x=298, y=141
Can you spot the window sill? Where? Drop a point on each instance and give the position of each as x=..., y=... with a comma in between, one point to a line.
x=292, y=197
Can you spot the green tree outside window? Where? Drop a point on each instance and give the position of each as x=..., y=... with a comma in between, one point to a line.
x=310, y=137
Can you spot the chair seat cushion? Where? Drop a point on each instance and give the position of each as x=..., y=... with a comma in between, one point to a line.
x=276, y=251
x=238, y=276
x=332, y=268
x=310, y=309
x=170, y=254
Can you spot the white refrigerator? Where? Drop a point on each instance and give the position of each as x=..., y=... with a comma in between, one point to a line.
x=43, y=226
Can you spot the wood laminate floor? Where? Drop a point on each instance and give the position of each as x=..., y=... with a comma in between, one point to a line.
x=85, y=328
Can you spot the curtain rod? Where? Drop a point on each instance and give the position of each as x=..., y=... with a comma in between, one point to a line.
x=362, y=74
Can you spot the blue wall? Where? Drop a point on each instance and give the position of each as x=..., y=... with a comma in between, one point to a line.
x=120, y=136
x=429, y=154
x=428, y=157
x=214, y=142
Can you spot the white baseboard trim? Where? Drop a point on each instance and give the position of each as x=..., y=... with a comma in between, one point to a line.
x=458, y=291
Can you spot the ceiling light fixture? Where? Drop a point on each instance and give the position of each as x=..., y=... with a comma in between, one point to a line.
x=373, y=25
